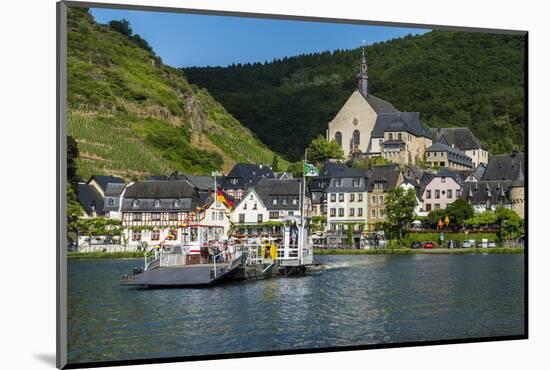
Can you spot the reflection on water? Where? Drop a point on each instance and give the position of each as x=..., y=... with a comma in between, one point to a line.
x=349, y=300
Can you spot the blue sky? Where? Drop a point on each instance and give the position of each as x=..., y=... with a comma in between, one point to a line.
x=185, y=40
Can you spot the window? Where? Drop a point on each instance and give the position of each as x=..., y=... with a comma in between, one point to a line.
x=176, y=203
x=359, y=212
x=135, y=203
x=437, y=206
x=333, y=212
x=437, y=194
x=390, y=136
x=428, y=207
x=173, y=216
x=352, y=212
x=274, y=214
x=136, y=235
x=449, y=193
x=352, y=197
x=340, y=212
x=314, y=209
x=155, y=216
x=338, y=183
x=441, y=164
x=251, y=197
x=333, y=227
x=341, y=197
x=214, y=216
x=245, y=205
x=399, y=136
x=284, y=201
x=381, y=213
x=294, y=201
x=428, y=194
x=234, y=181
x=241, y=218
x=255, y=207
x=155, y=235
x=381, y=199
x=333, y=197
x=338, y=138
x=373, y=213
x=356, y=182
x=274, y=201
x=442, y=180
x=291, y=213
x=373, y=199
x=157, y=203
x=359, y=197
x=380, y=142
x=340, y=227
x=111, y=202
x=260, y=218
x=136, y=217
x=356, y=137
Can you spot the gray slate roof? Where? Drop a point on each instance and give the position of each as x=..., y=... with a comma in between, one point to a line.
x=89, y=198
x=479, y=171
x=282, y=190
x=399, y=121
x=388, y=175
x=159, y=190
x=482, y=191
x=504, y=167
x=461, y=137
x=102, y=181
x=247, y=175
x=379, y=105
x=453, y=154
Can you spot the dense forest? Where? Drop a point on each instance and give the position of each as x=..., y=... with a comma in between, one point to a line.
x=133, y=116
x=451, y=78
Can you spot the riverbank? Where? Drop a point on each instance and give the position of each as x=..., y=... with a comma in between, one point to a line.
x=418, y=251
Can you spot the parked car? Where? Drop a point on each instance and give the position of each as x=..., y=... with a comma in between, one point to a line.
x=466, y=244
x=492, y=244
x=429, y=245
x=416, y=245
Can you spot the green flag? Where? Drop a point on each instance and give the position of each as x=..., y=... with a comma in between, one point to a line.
x=310, y=170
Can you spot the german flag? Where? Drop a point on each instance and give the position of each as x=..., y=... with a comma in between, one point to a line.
x=225, y=198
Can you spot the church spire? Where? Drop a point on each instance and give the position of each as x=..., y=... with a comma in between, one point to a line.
x=362, y=76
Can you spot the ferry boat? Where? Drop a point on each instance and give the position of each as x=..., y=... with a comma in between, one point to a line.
x=201, y=263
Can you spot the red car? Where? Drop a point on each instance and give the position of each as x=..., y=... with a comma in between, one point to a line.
x=428, y=245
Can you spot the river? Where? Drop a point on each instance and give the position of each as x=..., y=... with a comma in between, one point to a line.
x=351, y=300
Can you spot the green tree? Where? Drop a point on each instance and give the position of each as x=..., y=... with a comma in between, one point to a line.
x=400, y=205
x=122, y=26
x=321, y=150
x=72, y=154
x=74, y=210
x=486, y=218
x=510, y=225
x=459, y=211
x=365, y=164
x=275, y=163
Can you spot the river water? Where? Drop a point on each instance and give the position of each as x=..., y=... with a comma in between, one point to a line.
x=351, y=300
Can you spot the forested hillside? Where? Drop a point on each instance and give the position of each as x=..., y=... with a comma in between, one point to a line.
x=451, y=78
x=133, y=116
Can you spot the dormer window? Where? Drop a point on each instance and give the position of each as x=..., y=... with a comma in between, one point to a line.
x=338, y=182
x=157, y=203
x=177, y=203
x=111, y=202
x=135, y=203
x=294, y=201
x=356, y=182
x=274, y=201
x=233, y=181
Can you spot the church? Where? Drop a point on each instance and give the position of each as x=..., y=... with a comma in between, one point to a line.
x=367, y=126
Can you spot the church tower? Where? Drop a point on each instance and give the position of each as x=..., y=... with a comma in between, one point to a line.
x=362, y=76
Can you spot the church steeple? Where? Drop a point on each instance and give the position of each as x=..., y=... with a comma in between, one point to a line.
x=362, y=76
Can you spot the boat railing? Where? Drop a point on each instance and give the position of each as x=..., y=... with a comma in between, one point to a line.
x=173, y=259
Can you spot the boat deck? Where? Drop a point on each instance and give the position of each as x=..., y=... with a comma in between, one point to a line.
x=182, y=276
